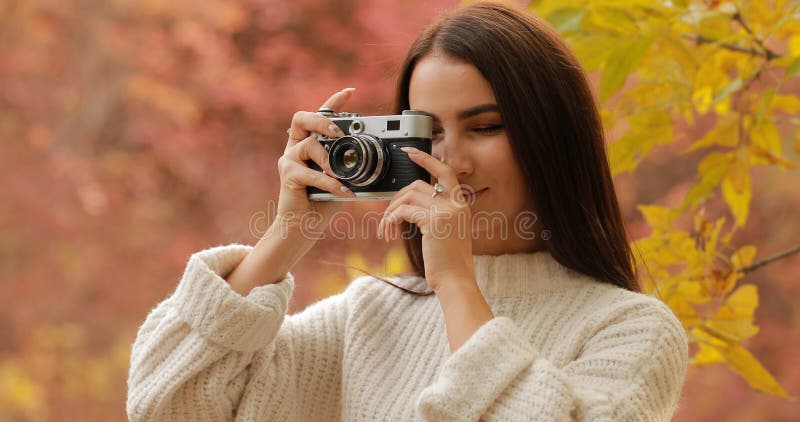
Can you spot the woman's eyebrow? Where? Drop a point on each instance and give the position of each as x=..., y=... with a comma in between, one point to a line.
x=469, y=112
x=474, y=111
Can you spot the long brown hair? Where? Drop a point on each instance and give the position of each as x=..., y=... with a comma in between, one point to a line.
x=552, y=124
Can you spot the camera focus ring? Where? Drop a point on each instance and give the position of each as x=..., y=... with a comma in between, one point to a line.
x=358, y=159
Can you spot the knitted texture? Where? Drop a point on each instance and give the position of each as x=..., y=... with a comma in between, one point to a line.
x=562, y=346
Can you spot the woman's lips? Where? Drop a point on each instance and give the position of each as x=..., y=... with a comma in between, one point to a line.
x=471, y=197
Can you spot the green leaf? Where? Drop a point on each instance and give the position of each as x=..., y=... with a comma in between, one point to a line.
x=725, y=92
x=766, y=99
x=566, y=20
x=620, y=63
x=592, y=49
x=712, y=170
x=793, y=69
x=648, y=129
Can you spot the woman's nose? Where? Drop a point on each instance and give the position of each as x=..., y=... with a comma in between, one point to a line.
x=452, y=153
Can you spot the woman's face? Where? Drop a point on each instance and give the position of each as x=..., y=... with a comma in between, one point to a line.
x=469, y=136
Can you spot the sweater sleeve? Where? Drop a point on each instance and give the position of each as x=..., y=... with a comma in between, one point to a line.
x=208, y=354
x=631, y=369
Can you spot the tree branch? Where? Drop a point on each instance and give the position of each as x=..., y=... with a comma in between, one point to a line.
x=763, y=262
x=767, y=54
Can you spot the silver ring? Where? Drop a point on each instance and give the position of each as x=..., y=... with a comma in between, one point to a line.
x=437, y=189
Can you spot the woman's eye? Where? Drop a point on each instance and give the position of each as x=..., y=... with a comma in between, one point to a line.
x=488, y=129
x=437, y=133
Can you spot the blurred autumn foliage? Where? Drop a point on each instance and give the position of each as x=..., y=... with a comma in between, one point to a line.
x=725, y=68
x=136, y=133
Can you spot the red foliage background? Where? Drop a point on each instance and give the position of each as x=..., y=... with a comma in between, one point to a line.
x=136, y=133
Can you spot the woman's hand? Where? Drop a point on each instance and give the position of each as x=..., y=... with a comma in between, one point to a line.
x=297, y=215
x=299, y=222
x=445, y=220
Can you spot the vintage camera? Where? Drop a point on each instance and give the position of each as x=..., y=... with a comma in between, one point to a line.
x=368, y=159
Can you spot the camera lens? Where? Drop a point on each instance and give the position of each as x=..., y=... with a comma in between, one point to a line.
x=358, y=159
x=350, y=158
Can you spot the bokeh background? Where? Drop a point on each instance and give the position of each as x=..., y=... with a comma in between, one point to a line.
x=136, y=133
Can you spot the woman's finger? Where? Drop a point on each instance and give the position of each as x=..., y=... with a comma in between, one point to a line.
x=439, y=170
x=306, y=122
x=406, y=212
x=409, y=197
x=337, y=100
x=402, y=197
x=310, y=149
x=297, y=176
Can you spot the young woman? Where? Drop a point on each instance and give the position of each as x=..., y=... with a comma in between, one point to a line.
x=519, y=327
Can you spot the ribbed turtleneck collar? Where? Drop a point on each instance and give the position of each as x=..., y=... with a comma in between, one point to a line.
x=514, y=275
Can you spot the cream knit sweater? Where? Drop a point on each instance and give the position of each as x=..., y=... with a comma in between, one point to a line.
x=561, y=347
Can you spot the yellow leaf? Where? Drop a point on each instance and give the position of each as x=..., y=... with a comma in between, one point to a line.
x=701, y=224
x=789, y=104
x=722, y=282
x=712, y=170
x=613, y=18
x=707, y=355
x=767, y=137
x=659, y=218
x=693, y=292
x=739, y=174
x=760, y=155
x=735, y=317
x=647, y=130
x=738, y=359
x=684, y=311
x=744, y=300
x=711, y=241
x=743, y=257
x=624, y=154
x=745, y=364
x=736, y=191
x=702, y=98
x=725, y=133
x=702, y=335
x=734, y=328
x=794, y=45
x=620, y=63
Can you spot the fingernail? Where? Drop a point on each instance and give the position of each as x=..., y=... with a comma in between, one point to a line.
x=409, y=150
x=344, y=189
x=348, y=90
x=335, y=129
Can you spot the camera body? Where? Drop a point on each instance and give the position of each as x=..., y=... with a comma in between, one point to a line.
x=368, y=159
